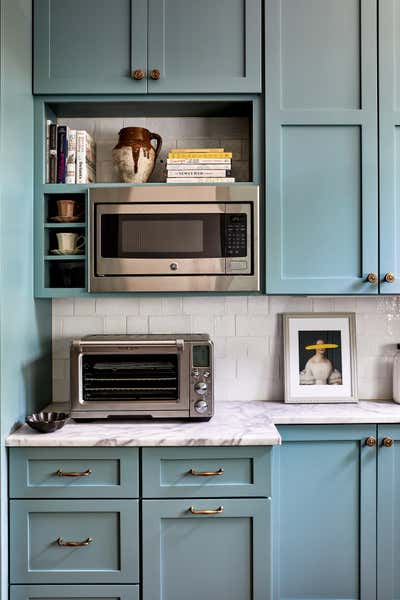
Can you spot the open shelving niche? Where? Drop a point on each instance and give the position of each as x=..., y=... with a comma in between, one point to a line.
x=234, y=122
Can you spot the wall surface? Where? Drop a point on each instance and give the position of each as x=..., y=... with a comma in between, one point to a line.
x=246, y=331
x=25, y=325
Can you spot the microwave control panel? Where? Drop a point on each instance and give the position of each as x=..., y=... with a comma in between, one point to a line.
x=236, y=235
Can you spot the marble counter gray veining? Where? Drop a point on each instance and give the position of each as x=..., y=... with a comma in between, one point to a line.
x=234, y=424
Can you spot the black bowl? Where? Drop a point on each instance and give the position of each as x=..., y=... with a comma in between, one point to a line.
x=47, y=422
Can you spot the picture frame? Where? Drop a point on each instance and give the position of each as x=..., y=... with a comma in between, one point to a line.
x=320, y=357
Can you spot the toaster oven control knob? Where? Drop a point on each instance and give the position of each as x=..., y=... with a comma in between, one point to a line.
x=173, y=266
x=206, y=374
x=201, y=406
x=200, y=388
x=195, y=372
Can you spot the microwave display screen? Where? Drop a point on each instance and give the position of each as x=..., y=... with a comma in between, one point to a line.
x=201, y=356
x=161, y=236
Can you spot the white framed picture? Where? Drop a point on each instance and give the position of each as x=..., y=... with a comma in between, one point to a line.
x=319, y=357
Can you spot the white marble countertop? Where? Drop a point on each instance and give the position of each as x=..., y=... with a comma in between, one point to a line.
x=234, y=424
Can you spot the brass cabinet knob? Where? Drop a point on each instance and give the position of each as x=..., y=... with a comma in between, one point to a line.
x=387, y=442
x=155, y=74
x=370, y=441
x=138, y=74
x=372, y=278
x=389, y=277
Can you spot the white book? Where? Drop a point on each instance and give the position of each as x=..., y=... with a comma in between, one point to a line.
x=47, y=171
x=70, y=176
x=205, y=167
x=85, y=158
x=204, y=173
x=200, y=179
x=198, y=161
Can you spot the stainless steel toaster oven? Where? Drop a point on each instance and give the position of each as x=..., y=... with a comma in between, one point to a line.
x=159, y=376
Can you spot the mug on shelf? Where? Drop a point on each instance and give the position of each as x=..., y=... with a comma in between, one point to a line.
x=70, y=243
x=68, y=211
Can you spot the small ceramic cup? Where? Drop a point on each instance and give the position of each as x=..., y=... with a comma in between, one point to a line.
x=66, y=208
x=70, y=243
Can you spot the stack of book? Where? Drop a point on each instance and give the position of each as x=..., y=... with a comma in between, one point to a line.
x=70, y=155
x=199, y=165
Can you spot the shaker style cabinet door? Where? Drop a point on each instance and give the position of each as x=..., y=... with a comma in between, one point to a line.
x=389, y=145
x=90, y=46
x=325, y=513
x=321, y=147
x=225, y=555
x=207, y=46
x=388, y=512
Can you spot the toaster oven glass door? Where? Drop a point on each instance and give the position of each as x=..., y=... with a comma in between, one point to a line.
x=147, y=379
x=166, y=239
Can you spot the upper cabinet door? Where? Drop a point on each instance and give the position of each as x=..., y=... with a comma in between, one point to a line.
x=207, y=46
x=389, y=140
x=321, y=146
x=90, y=46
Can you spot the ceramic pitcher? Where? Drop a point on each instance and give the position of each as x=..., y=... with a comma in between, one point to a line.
x=134, y=156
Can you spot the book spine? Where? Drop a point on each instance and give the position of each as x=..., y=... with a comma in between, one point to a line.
x=206, y=167
x=53, y=153
x=198, y=161
x=47, y=155
x=200, y=155
x=205, y=173
x=62, y=150
x=85, y=158
x=212, y=150
x=70, y=176
x=200, y=180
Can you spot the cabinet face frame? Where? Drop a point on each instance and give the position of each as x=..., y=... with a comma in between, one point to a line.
x=69, y=592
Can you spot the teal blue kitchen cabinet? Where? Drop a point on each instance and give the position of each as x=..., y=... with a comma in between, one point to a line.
x=389, y=139
x=147, y=46
x=74, y=592
x=321, y=147
x=325, y=513
x=388, y=512
x=206, y=548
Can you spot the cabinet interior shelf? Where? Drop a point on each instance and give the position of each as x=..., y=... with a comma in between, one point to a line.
x=67, y=257
x=64, y=225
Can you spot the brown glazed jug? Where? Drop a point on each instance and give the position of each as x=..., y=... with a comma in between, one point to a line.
x=134, y=156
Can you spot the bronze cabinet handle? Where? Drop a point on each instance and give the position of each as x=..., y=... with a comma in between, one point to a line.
x=372, y=278
x=86, y=542
x=209, y=511
x=62, y=473
x=389, y=277
x=138, y=74
x=387, y=442
x=155, y=74
x=370, y=441
x=206, y=473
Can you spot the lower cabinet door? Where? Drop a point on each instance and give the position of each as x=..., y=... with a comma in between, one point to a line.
x=325, y=513
x=388, y=512
x=74, y=592
x=206, y=549
x=74, y=541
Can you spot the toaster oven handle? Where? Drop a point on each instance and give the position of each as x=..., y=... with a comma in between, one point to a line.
x=177, y=343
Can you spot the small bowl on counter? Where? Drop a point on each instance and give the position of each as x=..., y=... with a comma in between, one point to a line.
x=47, y=422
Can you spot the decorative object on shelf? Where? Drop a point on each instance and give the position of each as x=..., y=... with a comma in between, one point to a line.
x=69, y=243
x=47, y=422
x=199, y=165
x=134, y=156
x=319, y=356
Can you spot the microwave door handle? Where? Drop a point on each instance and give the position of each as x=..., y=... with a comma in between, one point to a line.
x=179, y=344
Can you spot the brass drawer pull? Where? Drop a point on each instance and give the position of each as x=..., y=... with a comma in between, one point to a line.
x=210, y=511
x=155, y=74
x=138, y=74
x=86, y=473
x=389, y=277
x=387, y=442
x=86, y=542
x=372, y=278
x=206, y=473
x=370, y=441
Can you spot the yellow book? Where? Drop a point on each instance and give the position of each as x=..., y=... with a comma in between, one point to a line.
x=180, y=150
x=200, y=155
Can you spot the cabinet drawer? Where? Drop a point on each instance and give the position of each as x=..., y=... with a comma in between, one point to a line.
x=40, y=528
x=206, y=472
x=74, y=473
x=74, y=592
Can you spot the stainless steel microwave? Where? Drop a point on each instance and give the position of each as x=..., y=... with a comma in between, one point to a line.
x=158, y=376
x=174, y=238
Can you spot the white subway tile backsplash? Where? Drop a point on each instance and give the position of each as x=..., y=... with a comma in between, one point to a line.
x=247, y=334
